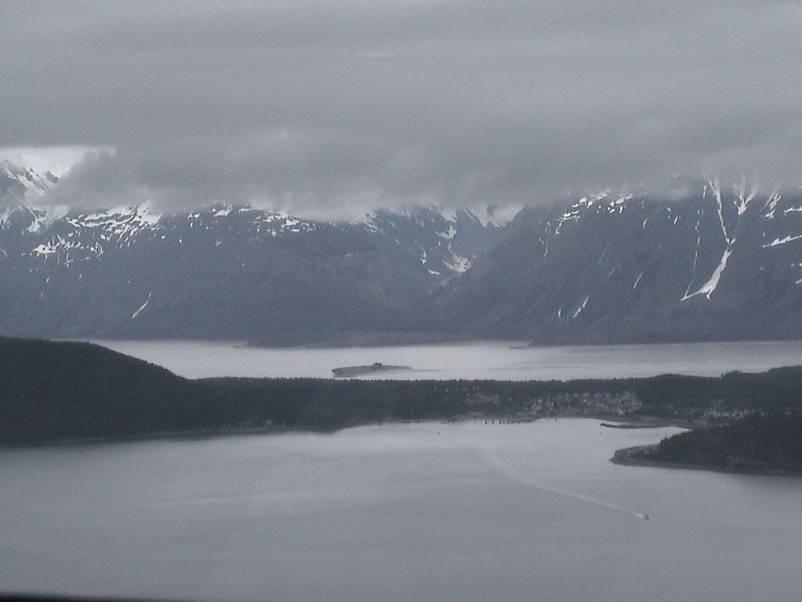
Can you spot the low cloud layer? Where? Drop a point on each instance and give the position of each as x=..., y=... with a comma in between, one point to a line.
x=330, y=106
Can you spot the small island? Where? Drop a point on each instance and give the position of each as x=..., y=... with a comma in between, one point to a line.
x=759, y=443
x=351, y=371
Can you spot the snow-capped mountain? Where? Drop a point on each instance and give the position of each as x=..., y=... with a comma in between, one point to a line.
x=21, y=190
x=22, y=185
x=722, y=262
x=222, y=271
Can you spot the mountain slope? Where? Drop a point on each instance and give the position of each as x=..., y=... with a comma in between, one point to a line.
x=719, y=263
x=722, y=261
x=220, y=272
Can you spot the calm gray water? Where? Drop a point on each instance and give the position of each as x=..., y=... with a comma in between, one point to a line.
x=485, y=360
x=398, y=512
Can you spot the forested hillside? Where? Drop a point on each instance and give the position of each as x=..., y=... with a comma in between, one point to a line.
x=65, y=390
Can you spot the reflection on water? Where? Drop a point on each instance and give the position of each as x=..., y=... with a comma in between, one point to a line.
x=397, y=512
x=486, y=360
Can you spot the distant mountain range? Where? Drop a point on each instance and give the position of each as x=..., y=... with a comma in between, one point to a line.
x=223, y=272
x=720, y=262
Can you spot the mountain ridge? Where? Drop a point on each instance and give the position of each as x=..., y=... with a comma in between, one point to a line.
x=717, y=264
x=223, y=271
x=722, y=261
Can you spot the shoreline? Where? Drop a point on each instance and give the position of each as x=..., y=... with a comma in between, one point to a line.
x=650, y=423
x=153, y=436
x=630, y=456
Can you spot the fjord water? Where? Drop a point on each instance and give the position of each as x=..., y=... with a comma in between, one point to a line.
x=482, y=360
x=462, y=511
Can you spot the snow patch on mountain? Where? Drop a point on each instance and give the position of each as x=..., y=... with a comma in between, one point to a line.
x=457, y=263
x=599, y=202
x=142, y=307
x=709, y=287
x=744, y=197
x=581, y=308
x=783, y=241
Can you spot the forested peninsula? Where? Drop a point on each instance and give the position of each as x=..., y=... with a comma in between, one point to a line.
x=57, y=391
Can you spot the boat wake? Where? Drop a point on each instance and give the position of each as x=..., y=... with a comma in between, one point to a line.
x=507, y=471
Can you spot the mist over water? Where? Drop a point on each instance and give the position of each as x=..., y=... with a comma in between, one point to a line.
x=498, y=360
x=462, y=511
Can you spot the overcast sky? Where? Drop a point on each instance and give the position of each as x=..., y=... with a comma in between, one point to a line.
x=341, y=104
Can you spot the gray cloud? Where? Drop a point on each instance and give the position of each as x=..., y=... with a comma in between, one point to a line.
x=334, y=105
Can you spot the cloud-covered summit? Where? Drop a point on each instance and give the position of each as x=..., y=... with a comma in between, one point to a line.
x=319, y=105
